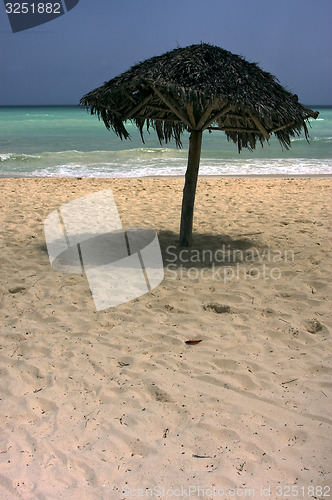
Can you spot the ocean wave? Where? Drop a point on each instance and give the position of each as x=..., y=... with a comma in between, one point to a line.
x=5, y=156
x=213, y=167
x=18, y=157
x=138, y=162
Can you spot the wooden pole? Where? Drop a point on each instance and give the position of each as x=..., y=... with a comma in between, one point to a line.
x=189, y=190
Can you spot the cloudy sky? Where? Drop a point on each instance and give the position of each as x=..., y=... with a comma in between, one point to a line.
x=56, y=63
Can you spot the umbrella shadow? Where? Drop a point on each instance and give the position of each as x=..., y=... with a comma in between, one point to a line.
x=89, y=250
x=209, y=250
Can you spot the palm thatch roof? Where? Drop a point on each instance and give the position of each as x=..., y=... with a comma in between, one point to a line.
x=197, y=88
x=200, y=87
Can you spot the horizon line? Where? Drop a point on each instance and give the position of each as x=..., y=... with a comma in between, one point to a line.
x=78, y=105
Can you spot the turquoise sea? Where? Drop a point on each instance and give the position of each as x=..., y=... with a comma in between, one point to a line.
x=65, y=141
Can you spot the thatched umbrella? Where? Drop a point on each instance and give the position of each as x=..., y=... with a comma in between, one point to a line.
x=197, y=88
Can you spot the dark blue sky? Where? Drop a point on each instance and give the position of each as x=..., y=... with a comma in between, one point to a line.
x=58, y=62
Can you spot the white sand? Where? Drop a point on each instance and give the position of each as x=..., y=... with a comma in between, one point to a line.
x=101, y=405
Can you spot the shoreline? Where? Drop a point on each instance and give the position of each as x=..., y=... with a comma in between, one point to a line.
x=286, y=176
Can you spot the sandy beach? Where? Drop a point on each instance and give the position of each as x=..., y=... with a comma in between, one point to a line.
x=113, y=404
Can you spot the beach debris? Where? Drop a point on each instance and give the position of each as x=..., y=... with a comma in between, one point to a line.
x=192, y=342
x=16, y=289
x=289, y=381
x=251, y=234
x=166, y=431
x=201, y=456
x=162, y=396
x=313, y=326
x=121, y=363
x=282, y=319
x=218, y=308
x=240, y=468
x=121, y=420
